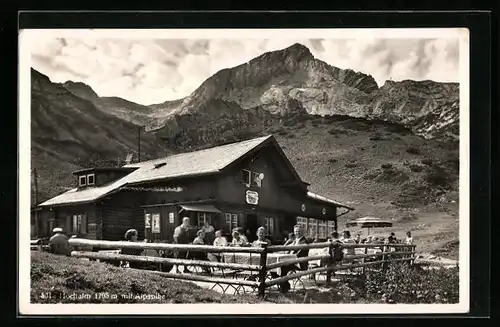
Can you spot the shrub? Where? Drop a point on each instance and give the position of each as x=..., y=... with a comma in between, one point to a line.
x=350, y=165
x=427, y=162
x=438, y=177
x=402, y=283
x=337, y=131
x=413, y=150
x=386, y=166
x=416, y=168
x=332, y=160
x=376, y=137
x=392, y=176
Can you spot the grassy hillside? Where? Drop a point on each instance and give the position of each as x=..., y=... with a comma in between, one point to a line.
x=69, y=132
x=55, y=278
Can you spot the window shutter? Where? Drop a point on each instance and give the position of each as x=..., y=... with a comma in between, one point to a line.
x=83, y=224
x=75, y=224
x=68, y=224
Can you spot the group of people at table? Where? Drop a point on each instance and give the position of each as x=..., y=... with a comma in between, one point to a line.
x=59, y=244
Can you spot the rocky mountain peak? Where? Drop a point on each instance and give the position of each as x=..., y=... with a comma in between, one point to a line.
x=81, y=89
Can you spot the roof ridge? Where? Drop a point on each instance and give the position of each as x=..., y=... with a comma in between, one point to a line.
x=197, y=151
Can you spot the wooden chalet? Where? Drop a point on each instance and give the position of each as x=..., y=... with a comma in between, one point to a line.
x=245, y=184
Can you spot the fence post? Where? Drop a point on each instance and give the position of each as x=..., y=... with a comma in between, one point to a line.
x=330, y=265
x=263, y=271
x=363, y=261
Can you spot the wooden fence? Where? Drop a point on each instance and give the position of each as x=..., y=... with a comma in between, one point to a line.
x=255, y=265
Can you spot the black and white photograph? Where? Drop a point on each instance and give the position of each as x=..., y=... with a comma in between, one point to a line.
x=256, y=171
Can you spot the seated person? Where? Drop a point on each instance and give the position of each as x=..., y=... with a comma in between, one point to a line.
x=300, y=239
x=199, y=255
x=290, y=240
x=199, y=240
x=261, y=238
x=219, y=241
x=131, y=236
x=59, y=242
x=238, y=238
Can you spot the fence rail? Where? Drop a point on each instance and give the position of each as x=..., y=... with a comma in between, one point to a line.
x=259, y=276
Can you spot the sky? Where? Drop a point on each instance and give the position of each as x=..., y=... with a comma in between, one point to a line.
x=148, y=71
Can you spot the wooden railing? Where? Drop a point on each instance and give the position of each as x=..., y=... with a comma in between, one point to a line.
x=39, y=245
x=257, y=268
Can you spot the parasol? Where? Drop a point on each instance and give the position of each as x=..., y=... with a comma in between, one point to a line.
x=369, y=222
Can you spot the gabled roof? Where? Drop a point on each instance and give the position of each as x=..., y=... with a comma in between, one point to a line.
x=327, y=200
x=202, y=162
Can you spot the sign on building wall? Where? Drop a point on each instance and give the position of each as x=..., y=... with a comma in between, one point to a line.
x=147, y=220
x=171, y=217
x=156, y=223
x=252, y=197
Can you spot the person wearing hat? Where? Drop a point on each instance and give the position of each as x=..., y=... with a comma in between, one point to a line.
x=59, y=242
x=131, y=235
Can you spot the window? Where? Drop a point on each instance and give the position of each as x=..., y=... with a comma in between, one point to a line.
x=313, y=228
x=269, y=221
x=302, y=222
x=91, y=179
x=231, y=220
x=79, y=224
x=83, y=180
x=204, y=216
x=322, y=229
x=331, y=227
x=251, y=178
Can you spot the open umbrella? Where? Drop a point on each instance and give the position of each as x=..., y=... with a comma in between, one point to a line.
x=369, y=222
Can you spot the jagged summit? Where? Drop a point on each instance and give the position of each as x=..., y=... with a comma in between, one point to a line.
x=295, y=53
x=81, y=89
x=298, y=51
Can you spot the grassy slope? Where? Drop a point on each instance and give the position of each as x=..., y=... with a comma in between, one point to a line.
x=58, y=275
x=343, y=160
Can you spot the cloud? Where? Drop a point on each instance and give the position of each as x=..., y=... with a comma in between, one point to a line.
x=150, y=71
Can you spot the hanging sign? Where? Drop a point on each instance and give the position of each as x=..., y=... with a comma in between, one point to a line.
x=147, y=220
x=303, y=207
x=323, y=211
x=252, y=197
x=171, y=217
x=156, y=223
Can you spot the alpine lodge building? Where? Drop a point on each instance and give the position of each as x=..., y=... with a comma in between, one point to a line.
x=245, y=184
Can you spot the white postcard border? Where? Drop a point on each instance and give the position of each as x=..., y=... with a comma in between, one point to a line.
x=24, y=166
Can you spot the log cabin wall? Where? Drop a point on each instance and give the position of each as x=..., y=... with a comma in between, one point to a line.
x=121, y=211
x=79, y=220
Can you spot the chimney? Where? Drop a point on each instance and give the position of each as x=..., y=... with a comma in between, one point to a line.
x=128, y=160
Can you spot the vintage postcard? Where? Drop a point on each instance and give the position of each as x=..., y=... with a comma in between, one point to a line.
x=228, y=171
